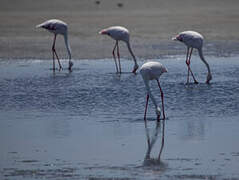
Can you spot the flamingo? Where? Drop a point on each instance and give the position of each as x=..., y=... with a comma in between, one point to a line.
x=152, y=71
x=56, y=27
x=193, y=40
x=119, y=33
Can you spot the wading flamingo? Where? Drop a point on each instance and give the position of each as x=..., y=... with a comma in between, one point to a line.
x=119, y=33
x=152, y=71
x=56, y=27
x=192, y=40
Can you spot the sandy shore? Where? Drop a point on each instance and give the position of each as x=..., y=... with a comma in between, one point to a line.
x=152, y=24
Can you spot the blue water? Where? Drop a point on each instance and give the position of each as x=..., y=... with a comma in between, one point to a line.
x=89, y=123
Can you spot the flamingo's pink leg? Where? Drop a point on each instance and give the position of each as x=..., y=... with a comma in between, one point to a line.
x=118, y=54
x=187, y=64
x=60, y=67
x=189, y=69
x=146, y=106
x=113, y=52
x=54, y=51
x=53, y=54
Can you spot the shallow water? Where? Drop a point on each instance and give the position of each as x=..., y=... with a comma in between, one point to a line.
x=89, y=123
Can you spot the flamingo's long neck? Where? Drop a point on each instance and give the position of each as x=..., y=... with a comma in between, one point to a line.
x=205, y=62
x=67, y=45
x=150, y=93
x=131, y=52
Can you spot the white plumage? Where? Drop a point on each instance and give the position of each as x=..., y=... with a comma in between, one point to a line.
x=193, y=40
x=56, y=27
x=152, y=71
x=119, y=33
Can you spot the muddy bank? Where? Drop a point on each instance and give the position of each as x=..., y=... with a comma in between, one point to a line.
x=152, y=24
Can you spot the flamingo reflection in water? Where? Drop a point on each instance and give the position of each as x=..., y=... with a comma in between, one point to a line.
x=151, y=140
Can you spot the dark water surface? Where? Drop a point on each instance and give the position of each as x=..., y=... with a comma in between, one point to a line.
x=89, y=124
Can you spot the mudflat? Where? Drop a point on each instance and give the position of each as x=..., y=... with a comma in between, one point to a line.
x=152, y=25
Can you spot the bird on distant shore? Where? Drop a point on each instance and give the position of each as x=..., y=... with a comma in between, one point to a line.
x=152, y=71
x=56, y=27
x=119, y=33
x=192, y=40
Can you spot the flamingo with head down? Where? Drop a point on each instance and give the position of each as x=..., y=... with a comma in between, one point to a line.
x=119, y=33
x=193, y=40
x=56, y=27
x=152, y=71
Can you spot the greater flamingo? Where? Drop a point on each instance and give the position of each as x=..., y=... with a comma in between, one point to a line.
x=119, y=33
x=56, y=27
x=192, y=40
x=152, y=71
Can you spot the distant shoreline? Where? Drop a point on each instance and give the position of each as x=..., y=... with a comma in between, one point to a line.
x=217, y=49
x=151, y=24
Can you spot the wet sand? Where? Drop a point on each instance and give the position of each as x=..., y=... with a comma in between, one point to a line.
x=152, y=24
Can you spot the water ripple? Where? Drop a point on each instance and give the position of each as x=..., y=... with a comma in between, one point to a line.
x=97, y=91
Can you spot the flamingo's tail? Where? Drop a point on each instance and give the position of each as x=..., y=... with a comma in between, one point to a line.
x=40, y=25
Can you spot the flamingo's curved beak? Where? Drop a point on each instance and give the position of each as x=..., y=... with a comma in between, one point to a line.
x=165, y=70
x=103, y=32
x=177, y=38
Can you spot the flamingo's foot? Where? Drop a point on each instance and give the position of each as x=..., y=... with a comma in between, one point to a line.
x=209, y=78
x=136, y=66
x=207, y=82
x=70, y=66
x=134, y=70
x=158, y=118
